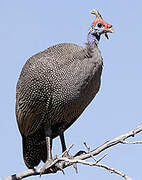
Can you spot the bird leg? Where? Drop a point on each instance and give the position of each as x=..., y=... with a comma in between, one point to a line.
x=62, y=138
x=48, y=134
x=63, y=144
x=49, y=164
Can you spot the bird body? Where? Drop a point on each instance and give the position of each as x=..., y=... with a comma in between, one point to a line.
x=54, y=88
x=53, y=91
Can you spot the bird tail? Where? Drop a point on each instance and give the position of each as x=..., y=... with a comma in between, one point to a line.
x=34, y=149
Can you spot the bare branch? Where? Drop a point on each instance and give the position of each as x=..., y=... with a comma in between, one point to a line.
x=135, y=142
x=65, y=162
x=92, y=155
x=112, y=170
x=112, y=142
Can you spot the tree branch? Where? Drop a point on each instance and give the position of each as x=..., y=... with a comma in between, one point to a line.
x=65, y=162
x=112, y=170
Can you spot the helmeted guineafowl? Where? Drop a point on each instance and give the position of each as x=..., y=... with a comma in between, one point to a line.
x=54, y=88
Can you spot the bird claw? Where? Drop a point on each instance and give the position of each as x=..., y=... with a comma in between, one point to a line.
x=46, y=166
x=67, y=155
x=79, y=153
x=51, y=166
x=71, y=157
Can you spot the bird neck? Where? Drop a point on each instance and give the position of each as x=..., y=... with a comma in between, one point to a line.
x=93, y=39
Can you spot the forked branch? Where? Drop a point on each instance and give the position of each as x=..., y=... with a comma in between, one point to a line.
x=65, y=162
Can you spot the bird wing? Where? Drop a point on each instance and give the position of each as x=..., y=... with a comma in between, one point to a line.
x=30, y=116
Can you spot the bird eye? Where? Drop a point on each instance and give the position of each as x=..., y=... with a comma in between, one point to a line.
x=99, y=25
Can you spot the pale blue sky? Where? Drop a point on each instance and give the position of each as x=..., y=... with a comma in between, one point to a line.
x=27, y=27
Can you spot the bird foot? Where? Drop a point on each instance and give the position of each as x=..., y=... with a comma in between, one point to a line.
x=47, y=166
x=79, y=153
x=50, y=165
x=71, y=157
x=66, y=154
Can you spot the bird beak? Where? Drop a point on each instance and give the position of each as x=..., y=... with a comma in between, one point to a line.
x=108, y=30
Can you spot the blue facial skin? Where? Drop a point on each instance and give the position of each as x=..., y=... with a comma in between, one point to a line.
x=93, y=35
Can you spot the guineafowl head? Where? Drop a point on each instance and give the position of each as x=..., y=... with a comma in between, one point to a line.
x=98, y=27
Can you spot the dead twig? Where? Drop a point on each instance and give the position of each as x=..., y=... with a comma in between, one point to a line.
x=112, y=170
